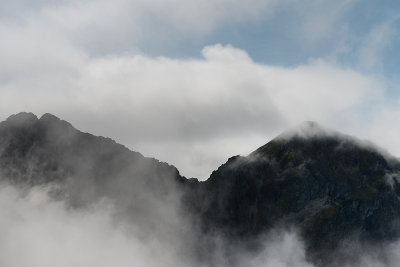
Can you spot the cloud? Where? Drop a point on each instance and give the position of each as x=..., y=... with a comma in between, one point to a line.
x=383, y=128
x=101, y=27
x=374, y=43
x=104, y=27
x=196, y=107
x=281, y=249
x=63, y=57
x=37, y=230
x=320, y=20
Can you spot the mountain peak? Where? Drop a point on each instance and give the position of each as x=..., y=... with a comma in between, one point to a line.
x=49, y=116
x=22, y=118
x=308, y=129
x=53, y=121
x=304, y=132
x=309, y=134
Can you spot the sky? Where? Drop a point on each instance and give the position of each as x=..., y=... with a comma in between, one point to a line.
x=192, y=82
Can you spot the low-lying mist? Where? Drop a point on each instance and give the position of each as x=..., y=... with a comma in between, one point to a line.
x=37, y=230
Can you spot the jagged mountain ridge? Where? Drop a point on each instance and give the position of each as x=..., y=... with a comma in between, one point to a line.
x=330, y=186
x=37, y=151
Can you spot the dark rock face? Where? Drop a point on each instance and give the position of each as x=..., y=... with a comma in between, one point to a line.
x=87, y=168
x=330, y=186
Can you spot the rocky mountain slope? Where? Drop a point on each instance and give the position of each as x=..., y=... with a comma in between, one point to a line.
x=329, y=186
x=84, y=169
x=332, y=187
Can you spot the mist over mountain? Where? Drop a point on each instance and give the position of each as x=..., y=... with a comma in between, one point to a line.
x=322, y=196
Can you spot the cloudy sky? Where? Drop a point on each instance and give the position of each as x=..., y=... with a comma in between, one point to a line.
x=195, y=82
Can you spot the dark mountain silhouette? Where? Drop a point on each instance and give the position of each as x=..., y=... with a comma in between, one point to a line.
x=48, y=149
x=330, y=186
x=84, y=169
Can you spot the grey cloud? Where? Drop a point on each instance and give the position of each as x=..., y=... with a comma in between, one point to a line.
x=37, y=230
x=156, y=105
x=41, y=232
x=105, y=27
x=221, y=104
x=374, y=43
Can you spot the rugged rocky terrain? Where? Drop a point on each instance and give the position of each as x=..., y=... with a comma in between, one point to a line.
x=329, y=186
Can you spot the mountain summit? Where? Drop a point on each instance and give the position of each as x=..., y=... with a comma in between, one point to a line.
x=329, y=186
x=307, y=129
